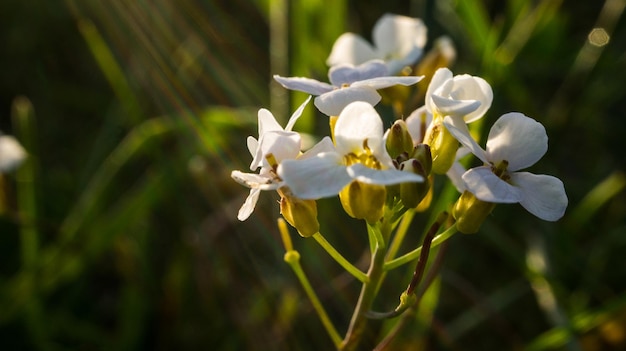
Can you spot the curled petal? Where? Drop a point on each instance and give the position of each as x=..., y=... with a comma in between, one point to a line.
x=346, y=74
x=332, y=103
x=390, y=176
x=518, y=139
x=350, y=48
x=307, y=85
x=296, y=114
x=314, y=177
x=459, y=130
x=450, y=107
x=248, y=206
x=486, y=186
x=468, y=87
x=384, y=82
x=439, y=78
x=542, y=195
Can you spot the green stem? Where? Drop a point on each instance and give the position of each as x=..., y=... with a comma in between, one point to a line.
x=357, y=273
x=293, y=259
x=410, y=256
x=398, y=238
x=368, y=291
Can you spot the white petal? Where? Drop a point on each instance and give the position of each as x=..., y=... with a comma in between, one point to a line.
x=248, y=206
x=439, y=78
x=520, y=140
x=307, y=85
x=267, y=122
x=12, y=154
x=468, y=87
x=333, y=102
x=384, y=82
x=457, y=170
x=283, y=145
x=325, y=145
x=399, y=37
x=542, y=195
x=347, y=74
x=351, y=48
x=486, y=186
x=252, y=144
x=417, y=123
x=459, y=130
x=314, y=177
x=356, y=123
x=390, y=176
x=255, y=181
x=450, y=107
x=297, y=113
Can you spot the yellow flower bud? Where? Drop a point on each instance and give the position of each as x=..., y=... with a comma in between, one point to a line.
x=443, y=146
x=399, y=140
x=301, y=214
x=470, y=212
x=363, y=201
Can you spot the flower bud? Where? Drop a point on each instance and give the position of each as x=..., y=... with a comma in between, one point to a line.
x=399, y=140
x=422, y=154
x=301, y=214
x=470, y=212
x=443, y=147
x=363, y=201
x=412, y=193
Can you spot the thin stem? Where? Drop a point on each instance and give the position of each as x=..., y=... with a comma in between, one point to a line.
x=398, y=238
x=368, y=291
x=410, y=256
x=292, y=257
x=409, y=315
x=357, y=273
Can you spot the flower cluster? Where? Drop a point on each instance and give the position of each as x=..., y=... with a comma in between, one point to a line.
x=381, y=174
x=363, y=163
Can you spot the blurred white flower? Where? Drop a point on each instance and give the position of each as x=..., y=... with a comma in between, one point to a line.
x=12, y=154
x=398, y=40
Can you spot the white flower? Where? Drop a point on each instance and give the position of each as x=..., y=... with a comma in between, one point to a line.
x=515, y=142
x=461, y=96
x=398, y=40
x=359, y=154
x=349, y=83
x=281, y=144
x=12, y=154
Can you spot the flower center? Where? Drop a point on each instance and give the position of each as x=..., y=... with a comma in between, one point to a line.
x=363, y=156
x=271, y=160
x=500, y=170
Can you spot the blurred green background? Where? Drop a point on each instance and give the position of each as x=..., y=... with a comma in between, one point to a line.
x=120, y=230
